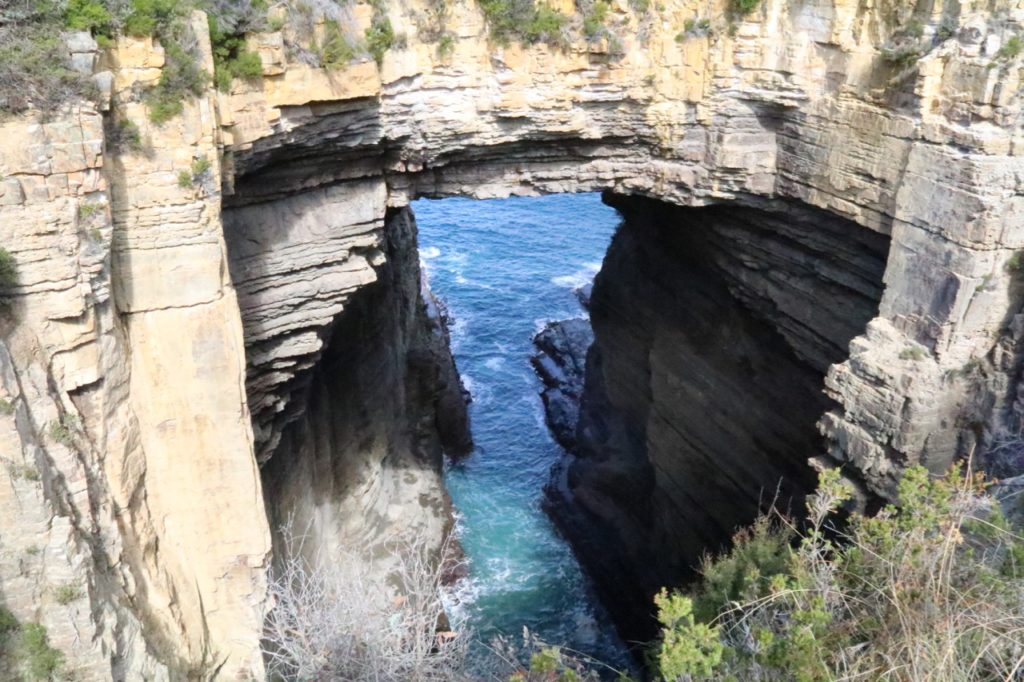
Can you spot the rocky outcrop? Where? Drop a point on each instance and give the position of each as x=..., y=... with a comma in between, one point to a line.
x=142, y=331
x=362, y=463
x=714, y=328
x=560, y=362
x=128, y=483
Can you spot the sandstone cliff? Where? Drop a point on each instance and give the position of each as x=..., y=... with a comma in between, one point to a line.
x=161, y=346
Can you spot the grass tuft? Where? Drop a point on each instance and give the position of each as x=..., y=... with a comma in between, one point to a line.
x=67, y=593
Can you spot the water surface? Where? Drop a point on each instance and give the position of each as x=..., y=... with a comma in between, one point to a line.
x=504, y=267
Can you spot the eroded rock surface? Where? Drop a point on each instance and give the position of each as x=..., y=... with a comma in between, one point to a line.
x=713, y=329
x=561, y=362
x=148, y=326
x=362, y=463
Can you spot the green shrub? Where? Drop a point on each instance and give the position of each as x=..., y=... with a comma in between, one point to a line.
x=8, y=270
x=33, y=70
x=693, y=27
x=63, y=430
x=336, y=51
x=8, y=622
x=28, y=472
x=902, y=56
x=89, y=15
x=34, y=60
x=593, y=20
x=508, y=19
x=39, y=660
x=196, y=173
x=687, y=648
x=231, y=59
x=641, y=7
x=380, y=36
x=88, y=210
x=153, y=17
x=446, y=45
x=929, y=590
x=67, y=593
x=545, y=26
x=181, y=72
x=915, y=353
x=744, y=573
x=163, y=107
x=247, y=65
x=6, y=407
x=946, y=30
x=1011, y=49
x=1014, y=263
x=181, y=77
x=915, y=29
x=742, y=7
x=124, y=136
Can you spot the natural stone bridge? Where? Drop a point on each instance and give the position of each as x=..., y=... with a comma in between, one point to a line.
x=189, y=335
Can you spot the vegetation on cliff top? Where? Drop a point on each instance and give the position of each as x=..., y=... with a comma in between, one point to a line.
x=32, y=72
x=931, y=590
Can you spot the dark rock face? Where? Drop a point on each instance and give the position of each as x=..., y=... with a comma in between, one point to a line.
x=584, y=293
x=713, y=329
x=560, y=362
x=383, y=405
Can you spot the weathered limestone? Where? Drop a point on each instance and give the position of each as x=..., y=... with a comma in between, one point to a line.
x=361, y=464
x=126, y=320
x=126, y=331
x=296, y=262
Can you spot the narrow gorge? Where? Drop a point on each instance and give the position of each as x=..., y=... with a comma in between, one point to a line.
x=217, y=324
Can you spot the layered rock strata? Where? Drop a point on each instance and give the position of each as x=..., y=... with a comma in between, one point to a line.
x=135, y=346
x=362, y=463
x=714, y=328
x=132, y=516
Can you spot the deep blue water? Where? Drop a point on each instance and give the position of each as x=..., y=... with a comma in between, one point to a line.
x=504, y=267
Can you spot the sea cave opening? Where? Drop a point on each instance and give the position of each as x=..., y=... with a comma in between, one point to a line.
x=694, y=410
x=644, y=379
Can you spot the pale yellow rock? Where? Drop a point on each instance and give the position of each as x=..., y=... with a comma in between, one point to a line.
x=131, y=324
x=302, y=84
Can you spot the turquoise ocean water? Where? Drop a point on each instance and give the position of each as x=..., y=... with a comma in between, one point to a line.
x=504, y=267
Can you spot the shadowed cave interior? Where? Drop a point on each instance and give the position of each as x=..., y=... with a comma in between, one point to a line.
x=713, y=329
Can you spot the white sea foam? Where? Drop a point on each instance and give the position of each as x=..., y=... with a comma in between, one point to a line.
x=429, y=252
x=581, y=277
